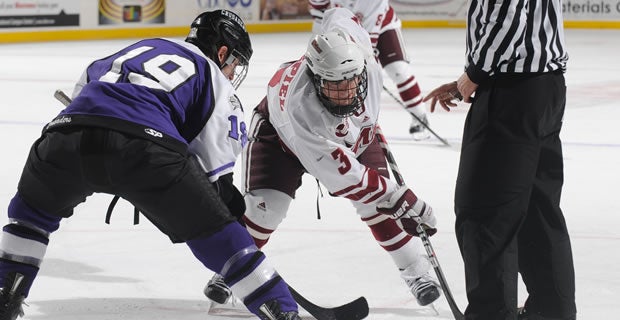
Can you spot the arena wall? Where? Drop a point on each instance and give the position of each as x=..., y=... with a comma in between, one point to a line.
x=60, y=20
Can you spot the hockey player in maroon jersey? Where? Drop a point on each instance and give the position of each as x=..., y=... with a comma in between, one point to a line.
x=320, y=117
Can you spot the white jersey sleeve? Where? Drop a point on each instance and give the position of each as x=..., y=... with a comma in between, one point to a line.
x=339, y=18
x=374, y=15
x=79, y=85
x=316, y=8
x=222, y=138
x=370, y=12
x=328, y=146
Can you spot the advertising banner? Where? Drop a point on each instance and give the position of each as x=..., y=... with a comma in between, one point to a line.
x=573, y=10
x=284, y=10
x=246, y=9
x=602, y=10
x=38, y=14
x=43, y=20
x=430, y=9
x=133, y=12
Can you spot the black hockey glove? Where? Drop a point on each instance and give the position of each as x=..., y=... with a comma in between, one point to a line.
x=230, y=195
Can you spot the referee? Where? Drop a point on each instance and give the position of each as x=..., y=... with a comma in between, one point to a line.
x=507, y=196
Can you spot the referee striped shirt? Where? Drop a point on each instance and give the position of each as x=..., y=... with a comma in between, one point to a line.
x=514, y=36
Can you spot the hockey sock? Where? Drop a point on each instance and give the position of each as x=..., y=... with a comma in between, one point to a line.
x=24, y=240
x=231, y=253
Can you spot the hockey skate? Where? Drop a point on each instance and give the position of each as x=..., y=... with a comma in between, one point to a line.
x=12, y=296
x=224, y=302
x=418, y=130
x=425, y=288
x=270, y=310
x=217, y=291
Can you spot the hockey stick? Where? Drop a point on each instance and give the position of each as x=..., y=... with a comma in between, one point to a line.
x=444, y=141
x=458, y=315
x=62, y=97
x=354, y=310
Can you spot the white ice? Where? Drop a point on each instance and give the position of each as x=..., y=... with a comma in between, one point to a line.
x=96, y=271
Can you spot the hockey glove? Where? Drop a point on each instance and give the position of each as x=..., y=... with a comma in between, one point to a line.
x=409, y=211
x=230, y=195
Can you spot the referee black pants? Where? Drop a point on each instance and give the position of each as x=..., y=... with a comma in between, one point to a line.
x=507, y=200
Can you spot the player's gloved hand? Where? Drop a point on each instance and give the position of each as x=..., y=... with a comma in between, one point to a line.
x=409, y=212
x=230, y=195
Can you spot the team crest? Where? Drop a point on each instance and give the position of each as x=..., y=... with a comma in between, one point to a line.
x=342, y=129
x=360, y=17
x=235, y=103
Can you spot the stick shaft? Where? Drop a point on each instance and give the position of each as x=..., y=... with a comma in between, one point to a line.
x=458, y=315
x=402, y=104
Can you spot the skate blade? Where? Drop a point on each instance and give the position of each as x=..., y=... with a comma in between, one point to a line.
x=234, y=308
x=421, y=135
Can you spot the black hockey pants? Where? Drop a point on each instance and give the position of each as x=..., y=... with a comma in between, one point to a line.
x=66, y=166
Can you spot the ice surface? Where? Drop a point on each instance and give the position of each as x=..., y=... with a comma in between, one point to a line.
x=96, y=271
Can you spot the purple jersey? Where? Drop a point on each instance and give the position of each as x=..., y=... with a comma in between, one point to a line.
x=164, y=90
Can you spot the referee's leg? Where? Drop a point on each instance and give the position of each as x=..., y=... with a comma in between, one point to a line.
x=545, y=255
x=498, y=163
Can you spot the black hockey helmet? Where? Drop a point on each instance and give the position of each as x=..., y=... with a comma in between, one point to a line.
x=213, y=29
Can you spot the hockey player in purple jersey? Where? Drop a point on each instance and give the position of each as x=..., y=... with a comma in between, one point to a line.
x=158, y=124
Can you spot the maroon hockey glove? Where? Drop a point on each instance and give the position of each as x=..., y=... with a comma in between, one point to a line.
x=409, y=212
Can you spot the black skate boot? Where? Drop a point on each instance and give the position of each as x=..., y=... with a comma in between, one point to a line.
x=12, y=296
x=217, y=290
x=270, y=310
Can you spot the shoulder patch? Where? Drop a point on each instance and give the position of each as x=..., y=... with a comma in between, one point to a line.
x=235, y=103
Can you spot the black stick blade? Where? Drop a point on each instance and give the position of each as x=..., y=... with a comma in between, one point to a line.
x=354, y=310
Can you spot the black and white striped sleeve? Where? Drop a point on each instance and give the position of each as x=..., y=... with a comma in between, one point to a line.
x=508, y=36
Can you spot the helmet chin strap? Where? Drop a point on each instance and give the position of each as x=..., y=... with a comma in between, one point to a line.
x=229, y=60
x=228, y=57
x=223, y=56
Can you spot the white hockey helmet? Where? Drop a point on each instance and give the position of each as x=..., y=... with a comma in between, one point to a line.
x=338, y=68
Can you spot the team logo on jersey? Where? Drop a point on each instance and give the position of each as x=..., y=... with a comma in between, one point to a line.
x=342, y=129
x=154, y=133
x=235, y=103
x=359, y=17
x=361, y=110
